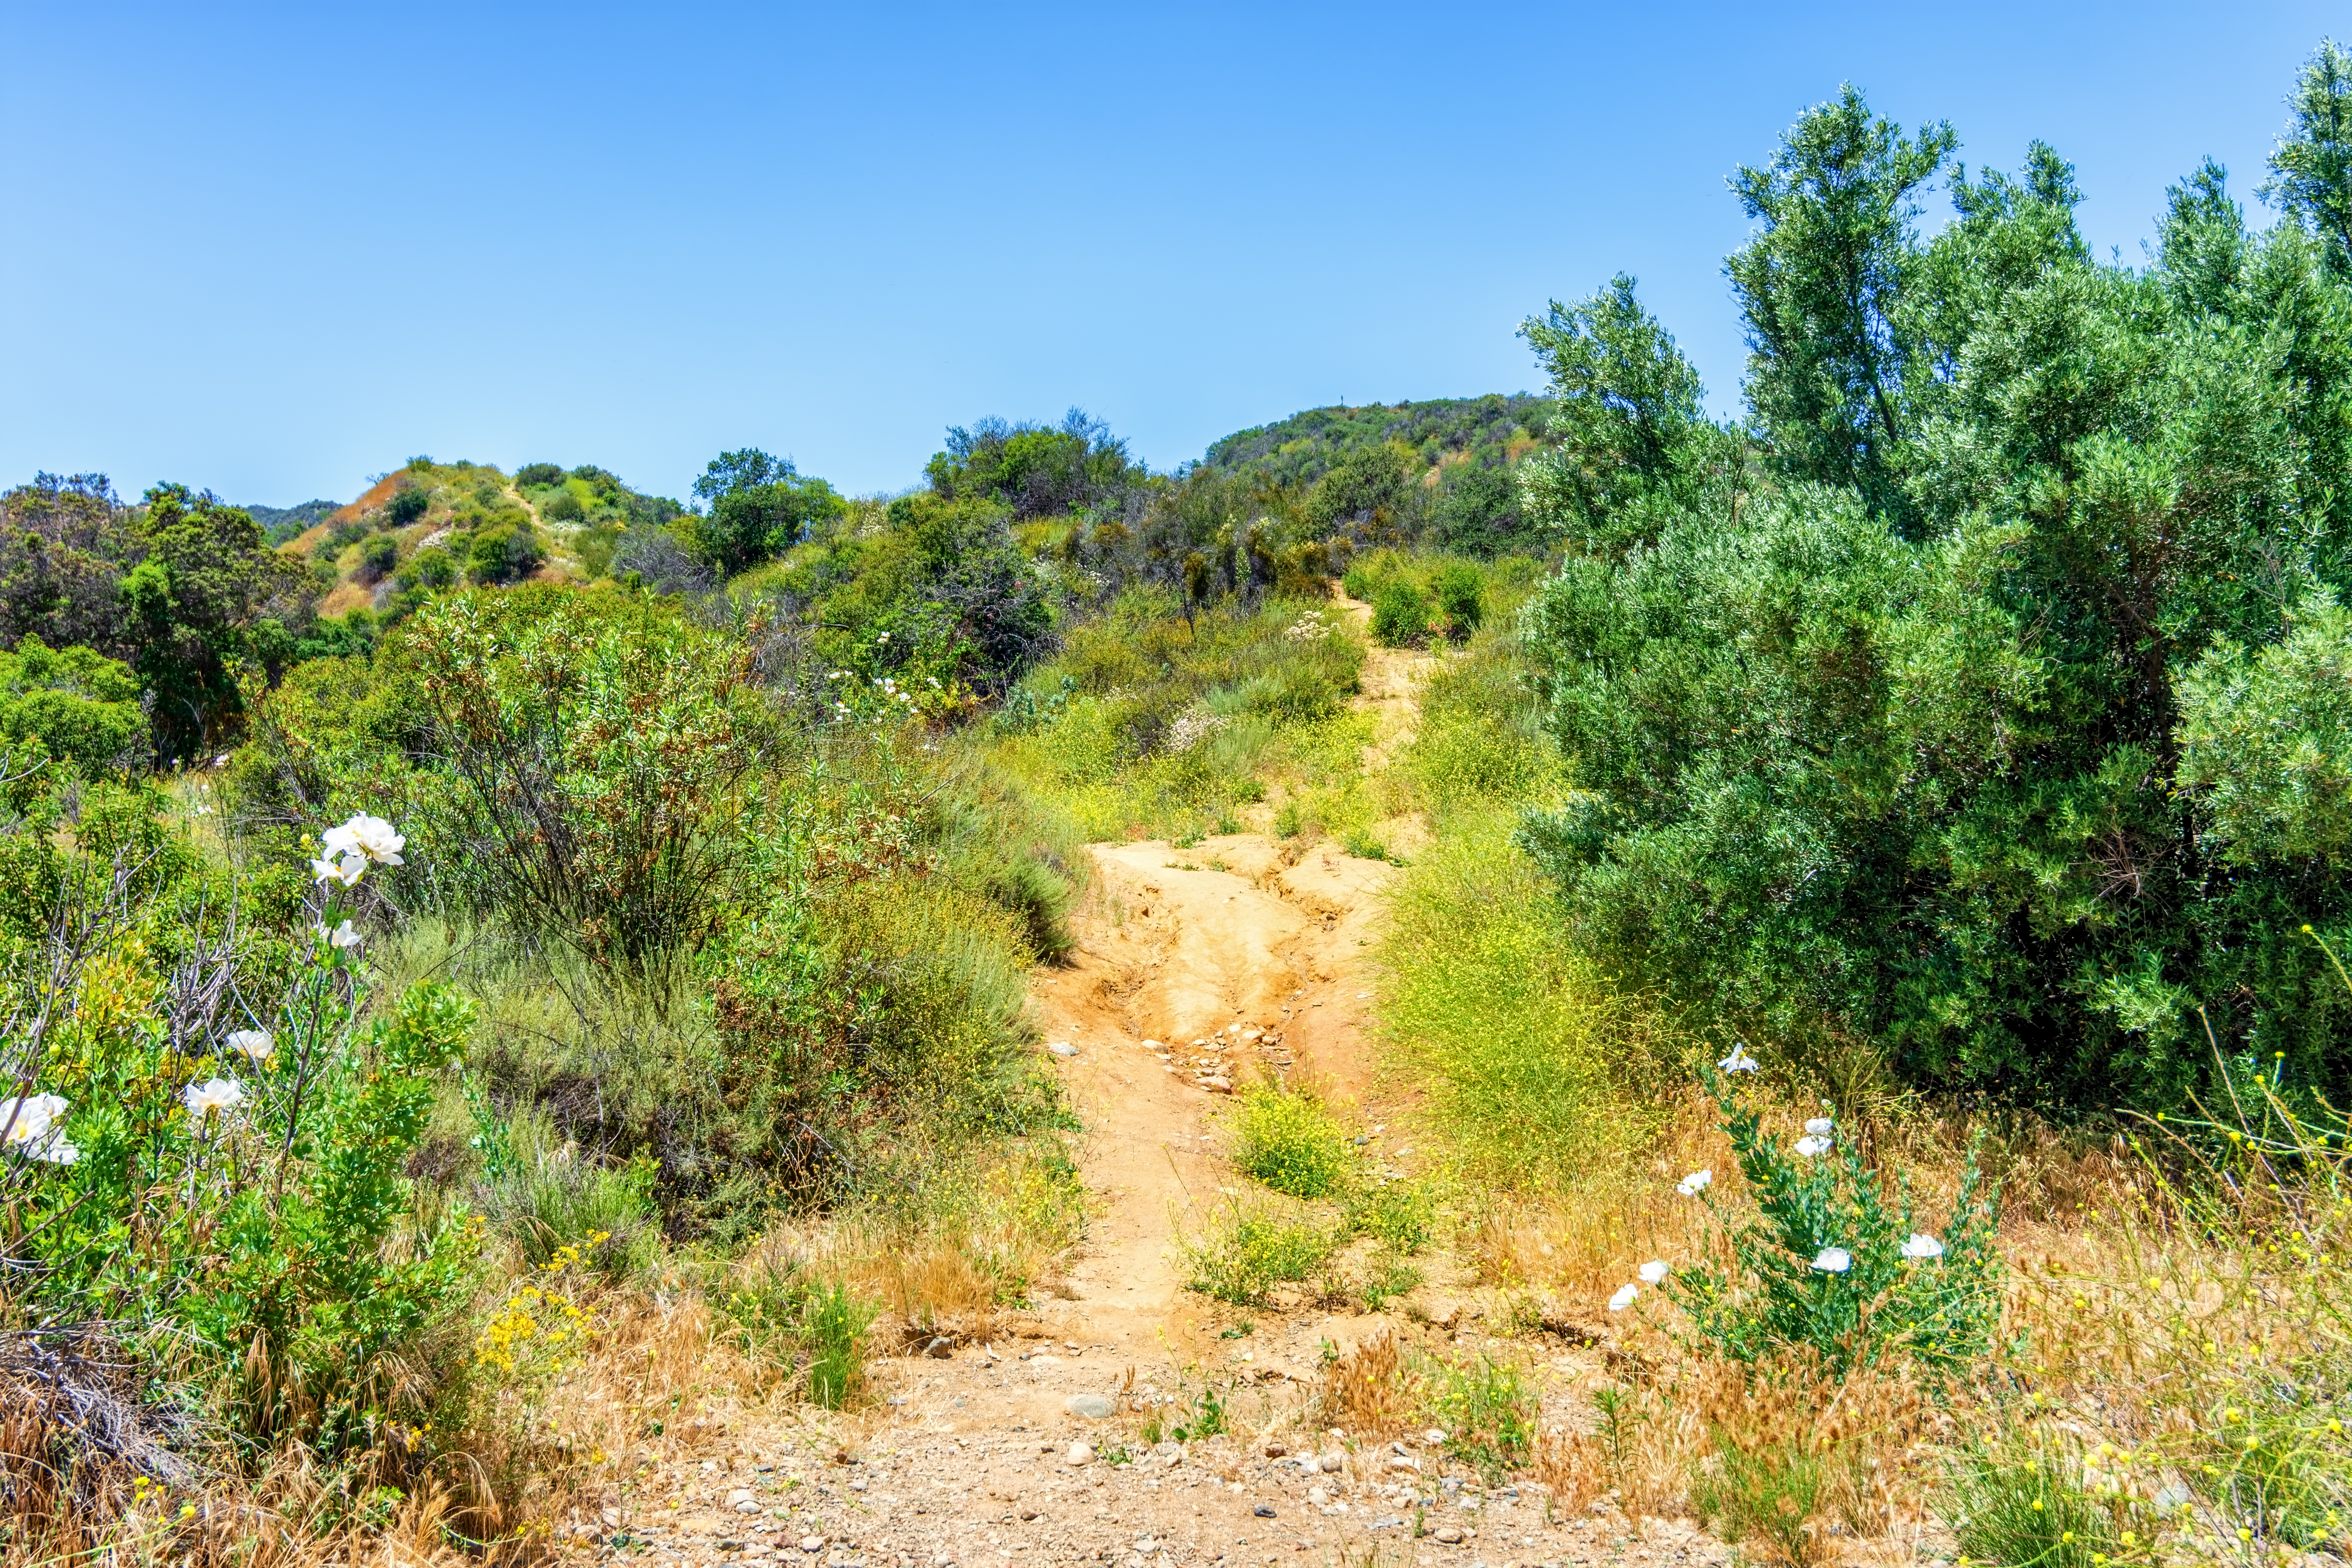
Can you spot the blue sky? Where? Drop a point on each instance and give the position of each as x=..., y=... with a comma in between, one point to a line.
x=275, y=250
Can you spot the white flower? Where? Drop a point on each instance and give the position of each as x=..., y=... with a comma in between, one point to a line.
x=343, y=936
x=213, y=1094
x=349, y=873
x=221, y=760
x=1653, y=1272
x=53, y=1147
x=1833, y=1261
x=372, y=836
x=1739, y=1060
x=31, y=1116
x=1920, y=1246
x=1697, y=1181
x=1624, y=1298
x=1811, y=1145
x=1821, y=1126
x=254, y=1044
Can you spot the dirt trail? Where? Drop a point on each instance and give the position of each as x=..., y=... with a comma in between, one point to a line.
x=1195, y=968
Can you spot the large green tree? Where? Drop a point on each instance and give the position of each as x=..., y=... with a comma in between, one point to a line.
x=1954, y=728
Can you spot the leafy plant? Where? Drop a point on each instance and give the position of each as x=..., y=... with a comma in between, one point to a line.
x=1288, y=1141
x=1828, y=1262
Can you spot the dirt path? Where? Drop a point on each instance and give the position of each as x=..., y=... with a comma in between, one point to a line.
x=1196, y=968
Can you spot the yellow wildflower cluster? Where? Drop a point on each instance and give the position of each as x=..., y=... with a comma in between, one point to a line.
x=539, y=1329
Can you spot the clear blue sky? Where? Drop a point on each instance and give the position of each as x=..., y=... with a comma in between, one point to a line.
x=273, y=249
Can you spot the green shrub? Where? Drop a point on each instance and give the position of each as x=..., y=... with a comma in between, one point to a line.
x=1460, y=590
x=1290, y=1142
x=562, y=507
x=538, y=474
x=407, y=504
x=1399, y=1215
x=431, y=567
x=81, y=705
x=507, y=553
x=784, y=1319
x=1251, y=1253
x=1400, y=614
x=1825, y=1261
x=378, y=556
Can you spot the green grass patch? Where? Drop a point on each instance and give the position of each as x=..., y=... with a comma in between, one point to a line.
x=1290, y=1142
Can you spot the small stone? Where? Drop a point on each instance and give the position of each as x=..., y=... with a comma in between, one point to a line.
x=1090, y=1406
x=1450, y=1534
x=1332, y=1463
x=1153, y=1045
x=941, y=1348
x=1217, y=1085
x=812, y=1544
x=1432, y=1437
x=1317, y=1496
x=740, y=1496
x=1274, y=1446
x=1399, y=1462
x=1078, y=1454
x=858, y=1484
x=1063, y=1048
x=1263, y=1510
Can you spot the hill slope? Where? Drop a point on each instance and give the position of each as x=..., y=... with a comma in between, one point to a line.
x=1489, y=430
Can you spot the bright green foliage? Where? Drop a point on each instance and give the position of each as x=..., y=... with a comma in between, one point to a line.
x=1888, y=740
x=1460, y=590
x=1401, y=613
x=2266, y=738
x=1784, y=1288
x=81, y=706
x=1290, y=1142
x=248, y=1232
x=205, y=597
x=1253, y=1252
x=2311, y=168
x=1301, y=449
x=597, y=765
x=1630, y=412
x=1822, y=288
x=759, y=506
x=1033, y=472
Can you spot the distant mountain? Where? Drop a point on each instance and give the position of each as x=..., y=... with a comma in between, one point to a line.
x=283, y=522
x=1488, y=431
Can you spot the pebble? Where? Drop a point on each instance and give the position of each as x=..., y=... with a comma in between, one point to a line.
x=742, y=1500
x=812, y=1544
x=1063, y=1048
x=1078, y=1454
x=1450, y=1534
x=1090, y=1406
x=1333, y=1462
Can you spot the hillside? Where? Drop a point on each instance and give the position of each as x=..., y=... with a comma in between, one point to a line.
x=1301, y=449
x=429, y=525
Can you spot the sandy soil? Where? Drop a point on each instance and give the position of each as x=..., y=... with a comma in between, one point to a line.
x=1196, y=967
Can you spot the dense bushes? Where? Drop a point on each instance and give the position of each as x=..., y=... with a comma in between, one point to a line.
x=1910, y=712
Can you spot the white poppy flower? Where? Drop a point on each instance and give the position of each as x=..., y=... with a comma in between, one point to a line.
x=32, y=1116
x=1739, y=1060
x=54, y=1148
x=347, y=873
x=1920, y=1246
x=254, y=1044
x=371, y=837
x=344, y=936
x=1624, y=1298
x=1821, y=1126
x=213, y=1094
x=1810, y=1145
x=221, y=760
x=1653, y=1272
x=1697, y=1181
x=1833, y=1261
